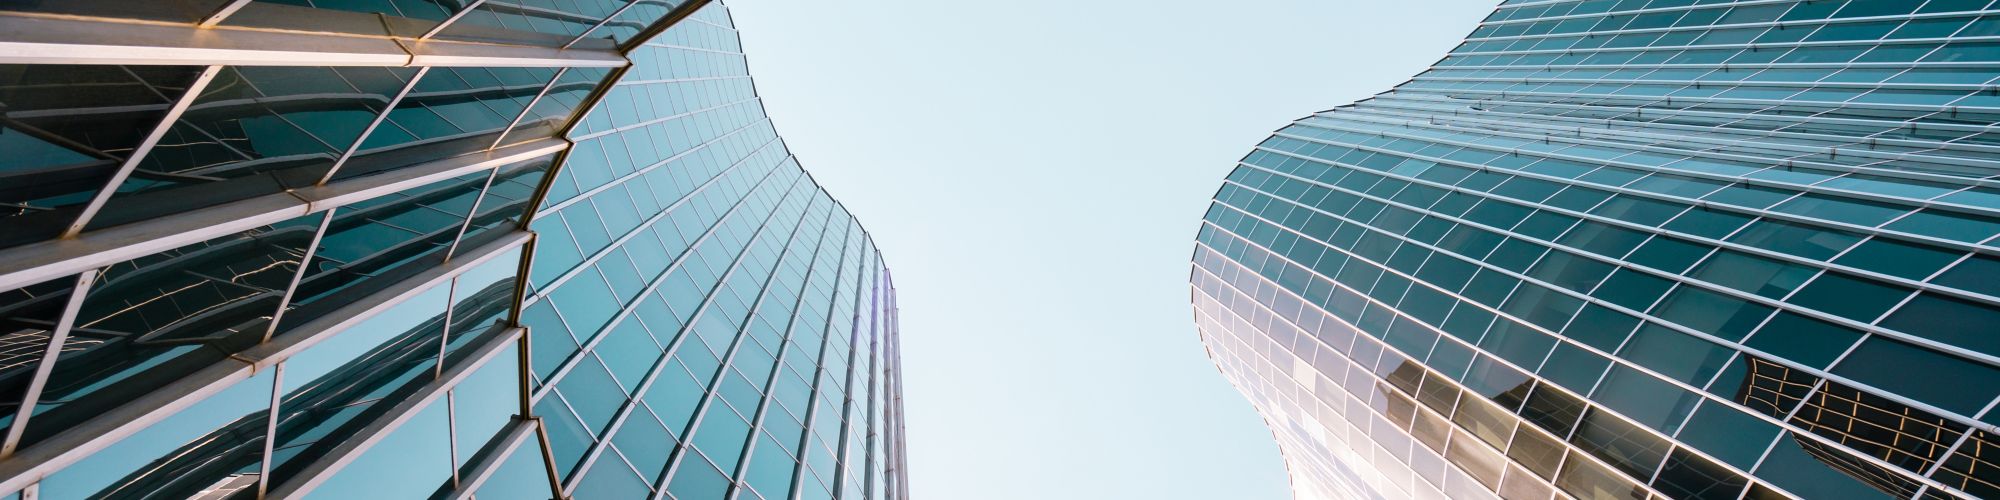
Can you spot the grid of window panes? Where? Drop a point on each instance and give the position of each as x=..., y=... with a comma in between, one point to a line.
x=1684, y=248
x=361, y=348
x=707, y=323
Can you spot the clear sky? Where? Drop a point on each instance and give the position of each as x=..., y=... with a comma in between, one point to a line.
x=1034, y=172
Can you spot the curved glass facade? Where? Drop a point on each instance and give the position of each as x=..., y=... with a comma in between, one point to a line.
x=1633, y=249
x=417, y=249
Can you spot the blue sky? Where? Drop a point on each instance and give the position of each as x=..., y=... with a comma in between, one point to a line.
x=1034, y=172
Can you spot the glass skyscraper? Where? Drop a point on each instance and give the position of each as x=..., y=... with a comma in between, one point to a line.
x=445, y=249
x=1633, y=249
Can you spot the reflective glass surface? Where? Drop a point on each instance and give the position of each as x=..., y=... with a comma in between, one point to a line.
x=1691, y=249
x=435, y=281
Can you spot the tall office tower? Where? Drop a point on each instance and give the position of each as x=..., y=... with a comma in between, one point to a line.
x=423, y=249
x=1634, y=249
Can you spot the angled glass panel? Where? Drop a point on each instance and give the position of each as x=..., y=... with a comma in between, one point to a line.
x=255, y=131
x=63, y=146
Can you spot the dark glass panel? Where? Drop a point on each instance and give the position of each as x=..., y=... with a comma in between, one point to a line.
x=1625, y=446
x=1762, y=385
x=377, y=243
x=557, y=106
x=255, y=131
x=1751, y=273
x=1906, y=437
x=1587, y=480
x=1642, y=397
x=535, y=22
x=1817, y=243
x=1950, y=320
x=1573, y=367
x=1552, y=409
x=63, y=145
x=1974, y=274
x=1536, y=450
x=1802, y=339
x=1710, y=312
x=1913, y=372
x=505, y=203
x=1815, y=470
x=1728, y=434
x=450, y=112
x=1849, y=296
x=431, y=10
x=1686, y=475
x=28, y=317
x=1970, y=469
x=150, y=321
x=1899, y=259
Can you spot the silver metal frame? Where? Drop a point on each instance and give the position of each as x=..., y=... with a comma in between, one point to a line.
x=49, y=39
x=39, y=262
x=173, y=117
x=33, y=463
x=351, y=448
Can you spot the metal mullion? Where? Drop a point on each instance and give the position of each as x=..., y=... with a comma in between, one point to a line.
x=305, y=261
x=222, y=13
x=778, y=364
x=271, y=415
x=893, y=326
x=597, y=450
x=553, y=80
x=627, y=311
x=650, y=222
x=444, y=339
x=455, y=16
x=868, y=457
x=451, y=429
x=139, y=152
x=471, y=214
x=1589, y=299
x=377, y=122
x=810, y=432
x=1698, y=392
x=31, y=396
x=847, y=398
x=257, y=101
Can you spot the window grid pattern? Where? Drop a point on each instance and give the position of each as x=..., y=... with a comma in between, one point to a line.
x=707, y=322
x=1699, y=249
x=676, y=183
